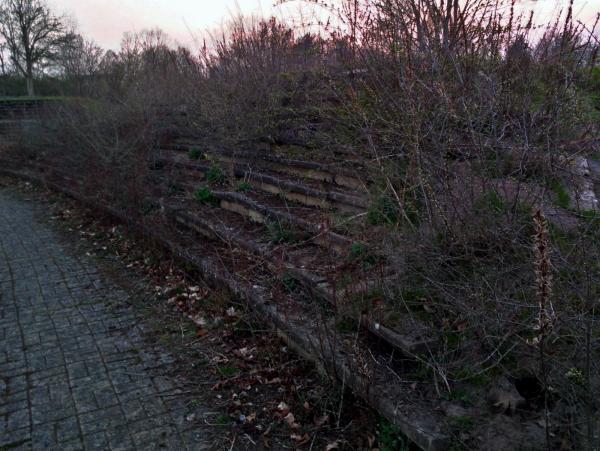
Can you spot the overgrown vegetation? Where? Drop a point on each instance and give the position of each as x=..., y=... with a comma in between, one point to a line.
x=465, y=120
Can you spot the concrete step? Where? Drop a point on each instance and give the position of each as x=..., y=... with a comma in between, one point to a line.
x=408, y=335
x=327, y=197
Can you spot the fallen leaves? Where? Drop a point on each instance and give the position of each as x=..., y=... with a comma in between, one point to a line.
x=283, y=408
x=266, y=370
x=300, y=439
x=322, y=420
x=245, y=353
x=290, y=420
x=333, y=445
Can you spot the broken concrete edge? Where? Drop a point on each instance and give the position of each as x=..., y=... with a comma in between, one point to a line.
x=337, y=240
x=407, y=345
x=413, y=347
x=305, y=342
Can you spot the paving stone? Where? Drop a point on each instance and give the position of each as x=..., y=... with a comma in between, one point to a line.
x=71, y=372
x=16, y=439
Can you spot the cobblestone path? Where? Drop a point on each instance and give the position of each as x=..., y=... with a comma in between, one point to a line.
x=74, y=370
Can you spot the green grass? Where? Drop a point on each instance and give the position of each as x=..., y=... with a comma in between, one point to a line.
x=563, y=199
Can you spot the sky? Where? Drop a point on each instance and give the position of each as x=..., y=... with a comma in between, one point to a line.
x=186, y=21
x=105, y=21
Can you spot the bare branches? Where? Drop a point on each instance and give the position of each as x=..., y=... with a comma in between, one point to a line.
x=32, y=34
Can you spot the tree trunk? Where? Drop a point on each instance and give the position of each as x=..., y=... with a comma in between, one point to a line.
x=30, y=91
x=29, y=77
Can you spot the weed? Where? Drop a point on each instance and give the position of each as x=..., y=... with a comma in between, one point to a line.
x=227, y=370
x=462, y=423
x=460, y=395
x=290, y=284
x=359, y=252
x=148, y=206
x=222, y=420
x=215, y=175
x=453, y=338
x=390, y=438
x=563, y=199
x=383, y=210
x=420, y=373
x=243, y=187
x=194, y=153
x=174, y=188
x=279, y=234
x=576, y=376
x=205, y=196
x=347, y=325
x=591, y=215
x=490, y=202
x=345, y=280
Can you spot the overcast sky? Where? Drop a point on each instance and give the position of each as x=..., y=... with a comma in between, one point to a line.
x=106, y=20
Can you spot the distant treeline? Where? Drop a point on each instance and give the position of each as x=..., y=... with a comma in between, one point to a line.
x=14, y=86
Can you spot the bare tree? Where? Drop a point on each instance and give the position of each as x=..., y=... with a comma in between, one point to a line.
x=79, y=60
x=32, y=34
x=2, y=59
